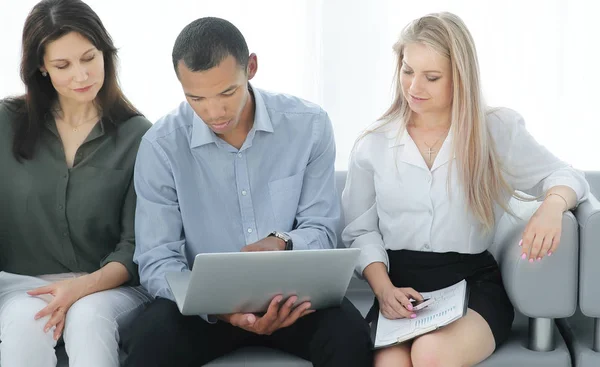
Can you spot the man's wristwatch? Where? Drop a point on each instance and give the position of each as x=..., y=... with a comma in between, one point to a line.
x=285, y=238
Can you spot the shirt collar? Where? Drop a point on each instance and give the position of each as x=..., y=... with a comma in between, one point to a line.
x=202, y=134
x=397, y=137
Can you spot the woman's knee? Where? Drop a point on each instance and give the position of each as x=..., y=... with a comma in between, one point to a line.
x=18, y=319
x=24, y=342
x=431, y=350
x=86, y=315
x=112, y=308
x=393, y=356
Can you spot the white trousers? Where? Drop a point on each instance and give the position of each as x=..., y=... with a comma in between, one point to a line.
x=91, y=333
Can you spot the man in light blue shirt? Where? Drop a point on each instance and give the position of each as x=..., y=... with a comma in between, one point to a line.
x=235, y=168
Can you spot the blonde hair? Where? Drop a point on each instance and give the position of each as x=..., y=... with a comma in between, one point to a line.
x=478, y=165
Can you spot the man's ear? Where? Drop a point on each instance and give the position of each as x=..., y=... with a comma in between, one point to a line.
x=252, y=66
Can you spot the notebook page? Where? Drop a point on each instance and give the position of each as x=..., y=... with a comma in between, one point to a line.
x=448, y=305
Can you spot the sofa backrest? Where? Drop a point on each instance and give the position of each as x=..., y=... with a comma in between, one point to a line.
x=593, y=177
x=340, y=182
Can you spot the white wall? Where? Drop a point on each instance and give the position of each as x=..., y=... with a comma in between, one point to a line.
x=145, y=33
x=539, y=57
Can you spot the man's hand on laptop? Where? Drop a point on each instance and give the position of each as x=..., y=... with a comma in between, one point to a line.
x=266, y=244
x=277, y=316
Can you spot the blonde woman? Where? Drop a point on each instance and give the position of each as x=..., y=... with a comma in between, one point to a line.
x=427, y=185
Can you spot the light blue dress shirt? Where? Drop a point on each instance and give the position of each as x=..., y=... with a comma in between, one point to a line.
x=198, y=194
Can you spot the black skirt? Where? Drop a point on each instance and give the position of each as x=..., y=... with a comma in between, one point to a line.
x=430, y=271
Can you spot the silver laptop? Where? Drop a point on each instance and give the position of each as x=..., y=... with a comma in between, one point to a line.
x=222, y=283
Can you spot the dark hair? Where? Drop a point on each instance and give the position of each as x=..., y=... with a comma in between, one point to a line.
x=205, y=42
x=48, y=21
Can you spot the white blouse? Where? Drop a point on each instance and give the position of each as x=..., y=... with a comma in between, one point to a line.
x=392, y=200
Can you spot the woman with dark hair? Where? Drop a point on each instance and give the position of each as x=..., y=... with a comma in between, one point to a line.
x=67, y=151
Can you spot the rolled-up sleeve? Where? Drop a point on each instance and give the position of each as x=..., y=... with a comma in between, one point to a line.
x=532, y=168
x=360, y=213
x=123, y=252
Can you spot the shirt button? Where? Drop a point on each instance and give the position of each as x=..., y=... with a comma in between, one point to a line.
x=249, y=230
x=60, y=207
x=244, y=192
x=65, y=234
x=239, y=155
x=64, y=176
x=427, y=246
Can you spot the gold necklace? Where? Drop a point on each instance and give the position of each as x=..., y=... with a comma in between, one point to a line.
x=76, y=128
x=430, y=150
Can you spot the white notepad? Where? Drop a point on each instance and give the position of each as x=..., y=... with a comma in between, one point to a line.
x=449, y=305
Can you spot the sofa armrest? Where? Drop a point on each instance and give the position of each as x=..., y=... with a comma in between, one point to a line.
x=588, y=216
x=544, y=289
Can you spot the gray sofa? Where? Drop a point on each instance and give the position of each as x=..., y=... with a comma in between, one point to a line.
x=582, y=331
x=532, y=288
x=541, y=292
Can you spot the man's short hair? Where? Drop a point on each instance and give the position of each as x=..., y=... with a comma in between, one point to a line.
x=205, y=42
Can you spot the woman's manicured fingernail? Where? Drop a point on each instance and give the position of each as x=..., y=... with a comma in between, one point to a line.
x=524, y=256
x=520, y=243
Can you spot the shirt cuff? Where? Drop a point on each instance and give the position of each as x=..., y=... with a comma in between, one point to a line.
x=126, y=260
x=372, y=250
x=298, y=243
x=579, y=186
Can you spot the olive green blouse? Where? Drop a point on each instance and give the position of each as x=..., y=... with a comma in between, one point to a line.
x=55, y=219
